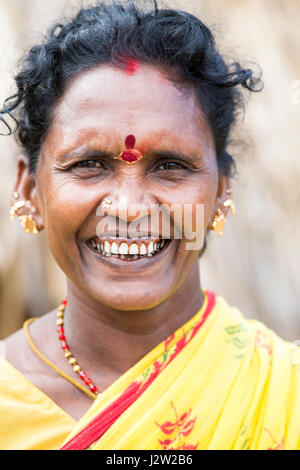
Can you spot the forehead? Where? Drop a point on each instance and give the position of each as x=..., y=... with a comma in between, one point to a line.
x=107, y=100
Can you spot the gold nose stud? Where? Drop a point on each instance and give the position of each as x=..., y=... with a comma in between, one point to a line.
x=106, y=204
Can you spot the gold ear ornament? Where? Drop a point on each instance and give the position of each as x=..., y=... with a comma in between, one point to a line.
x=26, y=221
x=219, y=219
x=14, y=209
x=229, y=203
x=218, y=222
x=28, y=224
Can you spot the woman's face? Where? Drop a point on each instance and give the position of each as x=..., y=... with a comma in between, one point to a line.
x=76, y=171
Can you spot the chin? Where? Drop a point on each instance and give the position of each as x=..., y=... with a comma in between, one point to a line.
x=129, y=298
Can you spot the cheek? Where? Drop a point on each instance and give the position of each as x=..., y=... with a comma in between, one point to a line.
x=193, y=205
x=65, y=206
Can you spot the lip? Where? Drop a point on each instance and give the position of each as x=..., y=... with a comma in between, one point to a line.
x=133, y=265
x=138, y=240
x=141, y=235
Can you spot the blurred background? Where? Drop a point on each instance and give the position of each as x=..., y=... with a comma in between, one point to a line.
x=256, y=265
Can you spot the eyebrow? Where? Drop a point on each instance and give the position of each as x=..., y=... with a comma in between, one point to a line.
x=86, y=152
x=168, y=154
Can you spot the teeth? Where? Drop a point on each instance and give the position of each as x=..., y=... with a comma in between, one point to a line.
x=150, y=247
x=123, y=249
x=133, y=249
x=114, y=248
x=143, y=249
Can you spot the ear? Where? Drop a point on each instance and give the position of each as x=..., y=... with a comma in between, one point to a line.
x=223, y=193
x=25, y=190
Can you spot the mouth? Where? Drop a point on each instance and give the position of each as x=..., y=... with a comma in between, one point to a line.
x=128, y=250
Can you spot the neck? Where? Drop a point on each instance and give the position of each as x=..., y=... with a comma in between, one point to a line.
x=103, y=336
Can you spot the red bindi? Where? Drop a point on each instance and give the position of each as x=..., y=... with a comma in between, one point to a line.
x=130, y=155
x=130, y=141
x=131, y=66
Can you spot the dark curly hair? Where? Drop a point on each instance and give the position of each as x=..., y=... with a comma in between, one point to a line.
x=106, y=33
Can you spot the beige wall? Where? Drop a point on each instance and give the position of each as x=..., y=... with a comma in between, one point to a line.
x=257, y=262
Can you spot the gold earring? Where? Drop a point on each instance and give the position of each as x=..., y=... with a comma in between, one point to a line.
x=218, y=222
x=26, y=221
x=229, y=203
x=14, y=209
x=16, y=194
x=28, y=224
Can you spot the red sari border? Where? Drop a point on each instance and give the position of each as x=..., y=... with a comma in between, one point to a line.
x=94, y=430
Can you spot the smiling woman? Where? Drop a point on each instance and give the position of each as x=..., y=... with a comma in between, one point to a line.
x=124, y=116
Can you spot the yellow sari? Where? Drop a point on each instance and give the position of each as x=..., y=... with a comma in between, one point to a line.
x=219, y=382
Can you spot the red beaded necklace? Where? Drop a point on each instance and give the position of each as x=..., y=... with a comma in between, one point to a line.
x=65, y=347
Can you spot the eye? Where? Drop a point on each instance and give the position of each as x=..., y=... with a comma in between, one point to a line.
x=171, y=166
x=88, y=164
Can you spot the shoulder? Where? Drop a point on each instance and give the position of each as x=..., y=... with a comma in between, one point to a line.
x=30, y=420
x=275, y=358
x=16, y=365
x=19, y=353
x=268, y=369
x=259, y=332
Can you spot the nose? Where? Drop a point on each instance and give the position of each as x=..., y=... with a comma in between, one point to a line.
x=131, y=201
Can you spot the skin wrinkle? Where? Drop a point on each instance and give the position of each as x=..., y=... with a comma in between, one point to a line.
x=115, y=315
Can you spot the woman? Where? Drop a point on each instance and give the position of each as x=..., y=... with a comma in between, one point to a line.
x=121, y=109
